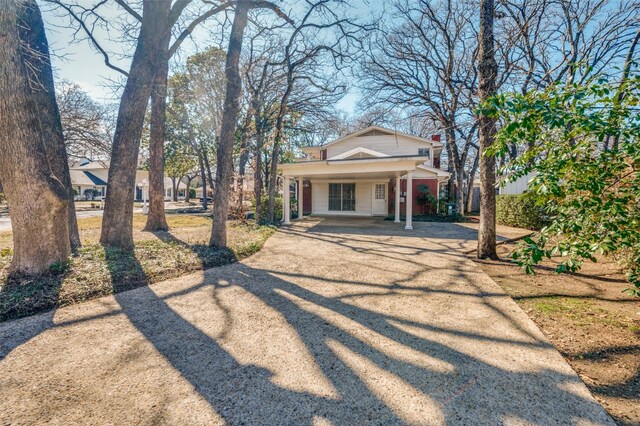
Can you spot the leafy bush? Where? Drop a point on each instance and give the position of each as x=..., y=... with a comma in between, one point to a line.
x=583, y=143
x=427, y=201
x=520, y=211
x=265, y=202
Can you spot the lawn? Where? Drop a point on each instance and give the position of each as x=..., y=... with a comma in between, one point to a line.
x=589, y=320
x=95, y=271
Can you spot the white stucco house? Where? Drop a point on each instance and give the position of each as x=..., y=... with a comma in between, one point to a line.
x=91, y=177
x=365, y=174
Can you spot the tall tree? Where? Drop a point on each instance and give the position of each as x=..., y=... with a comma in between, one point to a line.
x=36, y=53
x=40, y=223
x=224, y=169
x=117, y=221
x=487, y=73
x=86, y=124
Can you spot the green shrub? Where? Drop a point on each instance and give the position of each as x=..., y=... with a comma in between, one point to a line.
x=277, y=214
x=427, y=201
x=520, y=211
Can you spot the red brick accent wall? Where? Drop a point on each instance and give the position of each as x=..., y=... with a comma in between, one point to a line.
x=306, y=197
x=432, y=184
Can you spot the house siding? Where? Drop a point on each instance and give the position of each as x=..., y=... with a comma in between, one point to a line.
x=320, y=198
x=386, y=144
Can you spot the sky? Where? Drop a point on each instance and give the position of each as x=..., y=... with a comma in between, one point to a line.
x=78, y=62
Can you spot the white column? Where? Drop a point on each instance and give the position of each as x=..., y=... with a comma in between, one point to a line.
x=300, y=198
x=397, y=210
x=285, y=200
x=409, y=201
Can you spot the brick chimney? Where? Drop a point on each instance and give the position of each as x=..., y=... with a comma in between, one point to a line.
x=435, y=138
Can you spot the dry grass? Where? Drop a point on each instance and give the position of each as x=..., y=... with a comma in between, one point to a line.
x=95, y=271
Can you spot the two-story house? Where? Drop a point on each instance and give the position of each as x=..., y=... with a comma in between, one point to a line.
x=365, y=173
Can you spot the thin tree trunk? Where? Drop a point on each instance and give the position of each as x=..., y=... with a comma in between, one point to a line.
x=187, y=194
x=487, y=72
x=36, y=198
x=625, y=76
x=257, y=187
x=156, y=220
x=36, y=53
x=472, y=178
x=117, y=221
x=207, y=167
x=224, y=170
x=242, y=165
x=203, y=178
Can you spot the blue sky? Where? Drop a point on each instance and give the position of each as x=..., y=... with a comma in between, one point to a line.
x=80, y=63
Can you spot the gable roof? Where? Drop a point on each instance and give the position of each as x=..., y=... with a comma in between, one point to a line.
x=95, y=179
x=378, y=130
x=358, y=150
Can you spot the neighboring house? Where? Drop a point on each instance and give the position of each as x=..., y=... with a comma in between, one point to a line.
x=90, y=179
x=518, y=186
x=365, y=174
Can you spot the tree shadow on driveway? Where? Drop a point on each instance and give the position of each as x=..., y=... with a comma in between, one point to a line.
x=373, y=368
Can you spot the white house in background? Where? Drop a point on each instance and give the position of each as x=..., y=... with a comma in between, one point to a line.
x=365, y=174
x=518, y=186
x=91, y=177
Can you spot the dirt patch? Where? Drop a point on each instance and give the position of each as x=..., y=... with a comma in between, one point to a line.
x=589, y=319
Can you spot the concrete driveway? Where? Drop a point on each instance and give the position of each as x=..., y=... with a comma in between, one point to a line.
x=333, y=322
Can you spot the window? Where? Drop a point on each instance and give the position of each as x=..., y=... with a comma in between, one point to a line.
x=380, y=191
x=424, y=151
x=342, y=197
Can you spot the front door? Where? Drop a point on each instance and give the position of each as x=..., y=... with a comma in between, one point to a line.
x=379, y=199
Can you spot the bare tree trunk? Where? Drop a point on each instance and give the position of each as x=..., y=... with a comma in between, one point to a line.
x=487, y=72
x=472, y=178
x=203, y=178
x=32, y=34
x=242, y=163
x=156, y=220
x=117, y=221
x=187, y=192
x=625, y=76
x=36, y=198
x=257, y=187
x=224, y=170
x=207, y=167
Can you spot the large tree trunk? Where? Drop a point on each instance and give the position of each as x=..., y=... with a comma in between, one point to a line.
x=156, y=220
x=36, y=53
x=224, y=171
x=36, y=198
x=117, y=222
x=487, y=71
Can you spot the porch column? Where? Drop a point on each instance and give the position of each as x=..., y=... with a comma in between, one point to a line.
x=300, y=198
x=409, y=201
x=397, y=209
x=285, y=201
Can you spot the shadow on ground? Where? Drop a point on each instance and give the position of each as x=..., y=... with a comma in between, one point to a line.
x=263, y=343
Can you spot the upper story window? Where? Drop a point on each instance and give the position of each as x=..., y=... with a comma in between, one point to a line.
x=424, y=151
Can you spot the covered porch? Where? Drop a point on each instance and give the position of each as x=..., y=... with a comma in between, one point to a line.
x=357, y=187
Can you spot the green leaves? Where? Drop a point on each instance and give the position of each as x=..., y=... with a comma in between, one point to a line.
x=589, y=185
